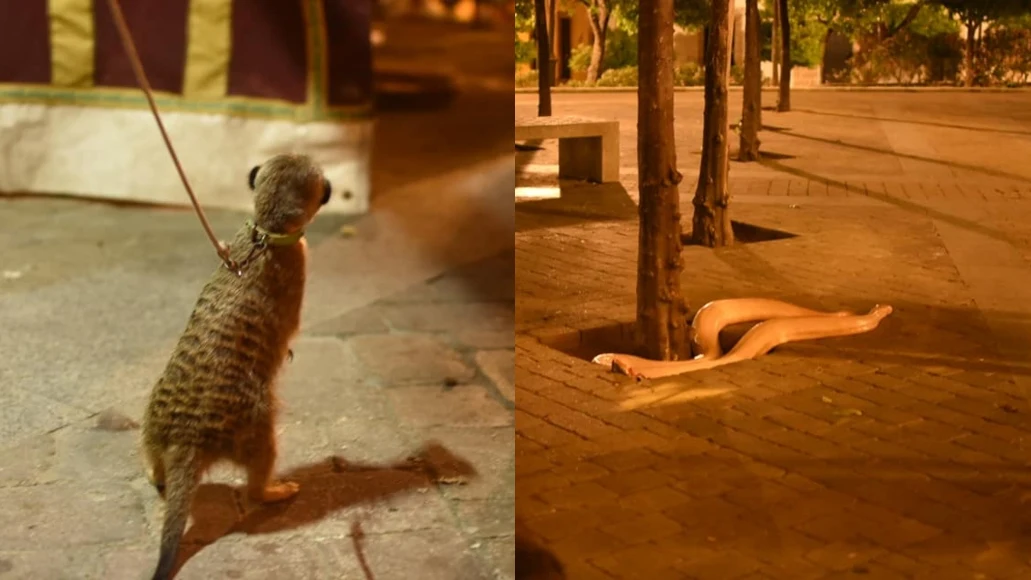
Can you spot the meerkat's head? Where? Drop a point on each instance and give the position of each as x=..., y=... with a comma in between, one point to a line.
x=288, y=192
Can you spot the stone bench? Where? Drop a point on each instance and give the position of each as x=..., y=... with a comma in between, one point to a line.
x=587, y=148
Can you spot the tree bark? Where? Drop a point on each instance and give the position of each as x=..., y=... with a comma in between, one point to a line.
x=784, y=97
x=751, y=121
x=968, y=55
x=599, y=20
x=711, y=224
x=775, y=45
x=661, y=311
x=540, y=14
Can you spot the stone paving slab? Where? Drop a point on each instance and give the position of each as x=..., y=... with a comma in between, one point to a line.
x=897, y=454
x=93, y=297
x=345, y=433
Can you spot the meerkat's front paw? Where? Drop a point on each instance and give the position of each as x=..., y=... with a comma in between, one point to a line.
x=279, y=492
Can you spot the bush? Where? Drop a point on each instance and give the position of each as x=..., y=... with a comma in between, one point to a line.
x=619, y=77
x=525, y=51
x=1004, y=57
x=689, y=74
x=737, y=75
x=580, y=58
x=620, y=52
x=526, y=79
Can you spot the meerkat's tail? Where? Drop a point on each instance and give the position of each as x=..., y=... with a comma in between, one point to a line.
x=181, y=478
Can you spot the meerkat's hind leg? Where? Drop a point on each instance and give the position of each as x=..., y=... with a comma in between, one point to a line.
x=154, y=465
x=261, y=461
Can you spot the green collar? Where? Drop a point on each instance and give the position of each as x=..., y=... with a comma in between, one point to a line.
x=261, y=235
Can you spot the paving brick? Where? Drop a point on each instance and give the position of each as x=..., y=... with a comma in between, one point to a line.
x=627, y=483
x=644, y=528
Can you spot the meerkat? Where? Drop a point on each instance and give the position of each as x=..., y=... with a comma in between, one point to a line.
x=215, y=400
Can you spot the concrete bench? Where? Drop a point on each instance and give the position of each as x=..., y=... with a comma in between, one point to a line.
x=587, y=148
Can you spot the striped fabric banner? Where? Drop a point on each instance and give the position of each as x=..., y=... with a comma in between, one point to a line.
x=301, y=60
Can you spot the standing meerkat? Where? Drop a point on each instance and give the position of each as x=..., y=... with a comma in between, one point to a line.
x=215, y=399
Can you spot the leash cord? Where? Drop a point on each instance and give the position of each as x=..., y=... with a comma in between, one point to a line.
x=141, y=78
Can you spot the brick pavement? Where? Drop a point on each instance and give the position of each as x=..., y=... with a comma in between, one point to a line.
x=896, y=454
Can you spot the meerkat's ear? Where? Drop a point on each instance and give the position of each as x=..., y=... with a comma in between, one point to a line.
x=327, y=191
x=253, y=176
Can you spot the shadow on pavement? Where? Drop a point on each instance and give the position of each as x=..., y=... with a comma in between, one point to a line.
x=953, y=164
x=910, y=122
x=328, y=486
x=899, y=203
x=579, y=202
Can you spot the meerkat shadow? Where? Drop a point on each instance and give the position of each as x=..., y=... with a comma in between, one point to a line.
x=331, y=489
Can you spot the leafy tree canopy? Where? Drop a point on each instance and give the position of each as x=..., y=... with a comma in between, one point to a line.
x=686, y=13
x=978, y=11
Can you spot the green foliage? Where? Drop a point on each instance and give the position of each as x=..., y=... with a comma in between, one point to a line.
x=687, y=13
x=620, y=51
x=689, y=75
x=921, y=48
x=807, y=38
x=523, y=11
x=526, y=79
x=619, y=77
x=979, y=11
x=525, y=50
x=580, y=58
x=1004, y=56
x=932, y=21
x=737, y=75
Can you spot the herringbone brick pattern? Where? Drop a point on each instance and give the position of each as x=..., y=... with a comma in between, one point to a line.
x=896, y=454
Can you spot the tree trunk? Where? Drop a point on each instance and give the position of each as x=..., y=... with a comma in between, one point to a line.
x=784, y=98
x=751, y=121
x=823, y=54
x=711, y=216
x=968, y=55
x=661, y=311
x=540, y=14
x=775, y=45
x=599, y=27
x=556, y=64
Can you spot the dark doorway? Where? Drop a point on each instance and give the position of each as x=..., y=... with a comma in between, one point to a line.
x=565, y=46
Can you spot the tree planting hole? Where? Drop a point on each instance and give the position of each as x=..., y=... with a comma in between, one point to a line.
x=748, y=234
x=618, y=337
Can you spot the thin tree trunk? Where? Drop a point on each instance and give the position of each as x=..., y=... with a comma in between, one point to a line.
x=751, y=110
x=823, y=55
x=775, y=45
x=556, y=64
x=784, y=98
x=599, y=27
x=711, y=224
x=968, y=55
x=661, y=311
x=540, y=14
